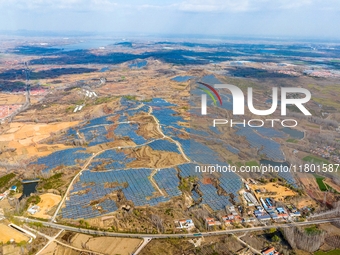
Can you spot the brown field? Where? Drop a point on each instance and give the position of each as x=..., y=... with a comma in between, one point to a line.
x=306, y=202
x=11, y=250
x=106, y=245
x=48, y=201
x=57, y=249
x=24, y=139
x=11, y=99
x=174, y=246
x=281, y=192
x=313, y=190
x=36, y=132
x=147, y=157
x=50, y=249
x=311, y=187
x=8, y=233
x=4, y=204
x=332, y=184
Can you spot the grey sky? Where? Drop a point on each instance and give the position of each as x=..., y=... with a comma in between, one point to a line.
x=303, y=18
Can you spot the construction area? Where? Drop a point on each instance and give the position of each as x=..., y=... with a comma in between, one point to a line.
x=272, y=190
x=47, y=203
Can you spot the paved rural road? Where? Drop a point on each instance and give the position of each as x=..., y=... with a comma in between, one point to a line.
x=221, y=232
x=141, y=247
x=52, y=239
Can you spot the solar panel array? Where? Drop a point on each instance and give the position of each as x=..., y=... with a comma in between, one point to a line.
x=227, y=99
x=68, y=157
x=167, y=179
x=133, y=112
x=188, y=169
x=182, y=78
x=270, y=132
x=285, y=175
x=159, y=102
x=129, y=104
x=227, y=102
x=212, y=199
x=270, y=148
x=123, y=118
x=112, y=159
x=215, y=130
x=232, y=149
x=170, y=131
x=198, y=152
x=167, y=117
x=108, y=206
x=95, y=135
x=100, y=121
x=134, y=183
x=288, y=177
x=129, y=130
x=195, y=195
x=210, y=79
x=198, y=132
x=90, y=189
x=164, y=145
x=231, y=183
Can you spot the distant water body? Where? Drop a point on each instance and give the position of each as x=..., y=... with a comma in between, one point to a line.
x=86, y=45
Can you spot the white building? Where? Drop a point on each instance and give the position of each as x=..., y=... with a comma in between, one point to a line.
x=33, y=209
x=186, y=224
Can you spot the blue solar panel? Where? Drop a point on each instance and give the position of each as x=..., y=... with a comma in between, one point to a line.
x=270, y=132
x=187, y=170
x=270, y=148
x=164, y=145
x=199, y=152
x=232, y=149
x=134, y=183
x=212, y=199
x=68, y=157
x=95, y=135
x=99, y=121
x=167, y=180
x=129, y=130
x=111, y=159
x=215, y=130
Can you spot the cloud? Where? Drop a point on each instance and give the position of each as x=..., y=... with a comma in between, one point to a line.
x=214, y=6
x=43, y=5
x=199, y=6
x=219, y=6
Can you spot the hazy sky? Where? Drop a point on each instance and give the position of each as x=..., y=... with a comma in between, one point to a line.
x=304, y=18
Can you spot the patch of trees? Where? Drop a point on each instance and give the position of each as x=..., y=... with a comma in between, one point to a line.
x=329, y=124
x=5, y=180
x=309, y=239
x=333, y=241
